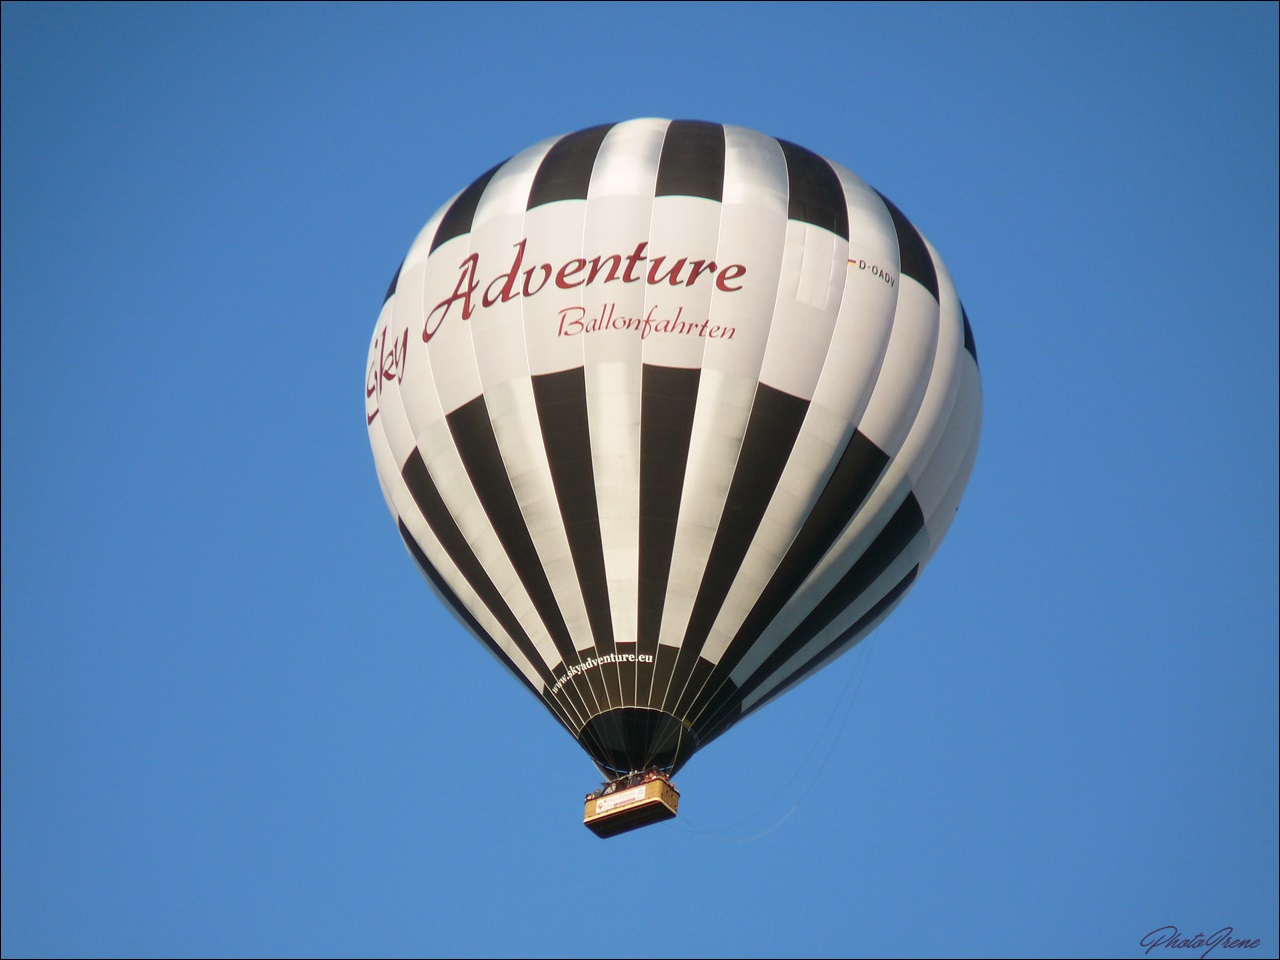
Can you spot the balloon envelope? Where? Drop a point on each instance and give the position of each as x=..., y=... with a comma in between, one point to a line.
x=670, y=414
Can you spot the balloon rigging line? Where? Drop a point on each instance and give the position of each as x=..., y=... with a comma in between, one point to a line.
x=859, y=663
x=844, y=705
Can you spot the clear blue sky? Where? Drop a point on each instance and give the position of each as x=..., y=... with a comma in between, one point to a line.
x=235, y=721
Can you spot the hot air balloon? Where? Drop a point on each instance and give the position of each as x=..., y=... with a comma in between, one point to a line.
x=670, y=414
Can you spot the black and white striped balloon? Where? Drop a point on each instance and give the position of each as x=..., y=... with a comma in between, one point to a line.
x=670, y=414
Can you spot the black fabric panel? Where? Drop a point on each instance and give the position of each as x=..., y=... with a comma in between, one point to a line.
x=631, y=740
x=815, y=194
x=820, y=659
x=724, y=712
x=565, y=172
x=771, y=432
x=592, y=678
x=854, y=476
x=457, y=220
x=561, y=399
x=663, y=665
x=424, y=492
x=916, y=262
x=591, y=741
x=459, y=611
x=629, y=675
x=692, y=163
x=692, y=680
x=463, y=614
x=969, y=343
x=896, y=536
x=394, y=280
x=422, y=488
x=669, y=396
x=478, y=447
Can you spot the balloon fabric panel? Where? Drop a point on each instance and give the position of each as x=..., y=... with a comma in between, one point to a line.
x=670, y=414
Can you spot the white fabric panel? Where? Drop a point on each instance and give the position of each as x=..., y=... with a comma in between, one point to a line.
x=497, y=331
x=935, y=452
x=392, y=422
x=555, y=232
x=558, y=230
x=877, y=590
x=613, y=410
x=405, y=403
x=507, y=192
x=377, y=381
x=759, y=242
x=497, y=228
x=951, y=355
x=754, y=232
x=930, y=421
x=904, y=373
x=627, y=164
x=515, y=425
x=852, y=543
x=964, y=432
x=755, y=172
x=619, y=207
x=867, y=308
x=934, y=465
x=420, y=249
x=898, y=394
x=451, y=479
x=407, y=510
x=762, y=694
x=680, y=228
x=411, y=406
x=873, y=240
x=808, y=301
x=823, y=436
x=401, y=314
x=723, y=406
x=450, y=352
